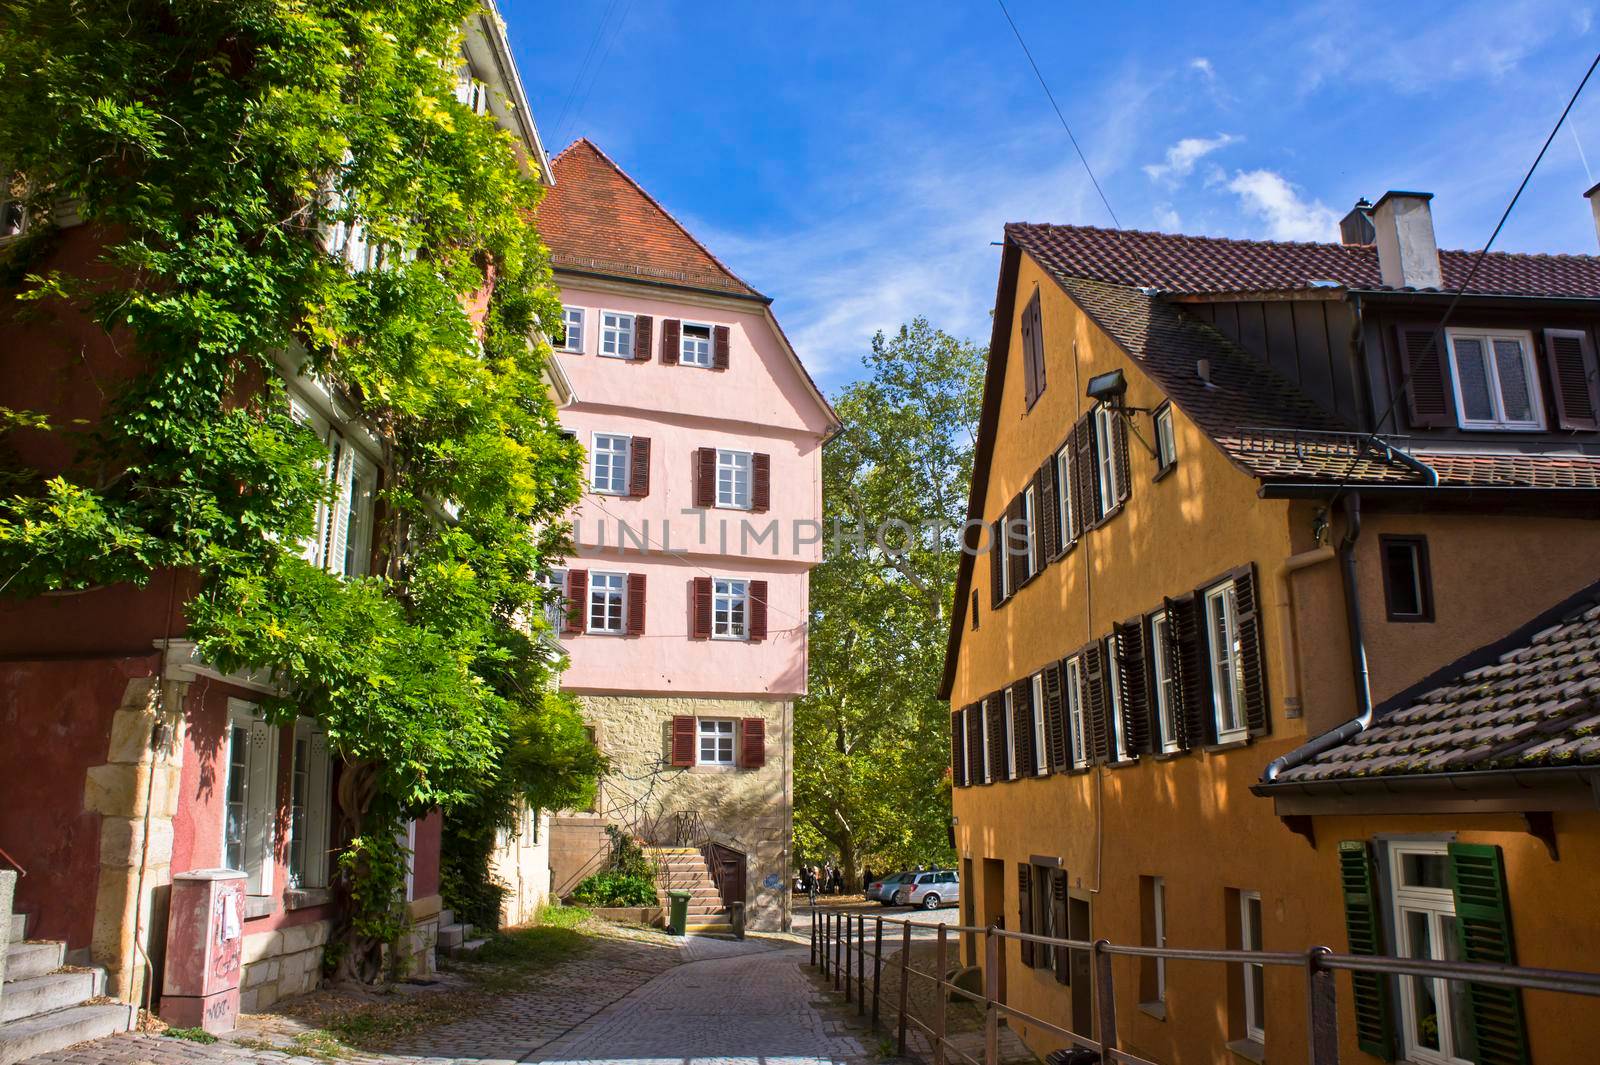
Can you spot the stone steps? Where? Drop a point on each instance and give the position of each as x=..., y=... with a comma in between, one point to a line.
x=33, y=959
x=467, y=949
x=19, y=927
x=453, y=935
x=29, y=1036
x=52, y=991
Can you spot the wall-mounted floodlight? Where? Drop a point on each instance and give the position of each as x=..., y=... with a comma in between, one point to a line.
x=1109, y=388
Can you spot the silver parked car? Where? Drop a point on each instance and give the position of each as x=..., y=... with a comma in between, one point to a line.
x=883, y=890
x=929, y=890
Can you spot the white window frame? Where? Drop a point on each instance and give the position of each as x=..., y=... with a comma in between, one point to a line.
x=740, y=468
x=341, y=540
x=1530, y=369
x=1077, y=712
x=617, y=463
x=1029, y=527
x=1165, y=684
x=1119, y=742
x=615, y=326
x=689, y=352
x=555, y=605
x=574, y=330
x=1064, y=499
x=1002, y=544
x=1226, y=663
x=614, y=587
x=720, y=729
x=1011, y=736
x=1254, y=1012
x=310, y=802
x=409, y=842
x=1437, y=904
x=983, y=736
x=1105, y=457
x=727, y=595
x=1041, y=760
x=257, y=795
x=1166, y=438
x=1158, y=903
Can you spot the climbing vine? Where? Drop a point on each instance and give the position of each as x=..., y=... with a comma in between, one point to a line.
x=209, y=150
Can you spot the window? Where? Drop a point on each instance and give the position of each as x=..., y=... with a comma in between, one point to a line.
x=1254, y=975
x=974, y=611
x=1031, y=561
x=1041, y=757
x=1064, y=488
x=1153, y=933
x=1407, y=582
x=606, y=592
x=1166, y=442
x=983, y=733
x=13, y=218
x=694, y=344
x=341, y=540
x=554, y=585
x=730, y=609
x=616, y=335
x=733, y=479
x=1166, y=680
x=310, y=781
x=1119, y=742
x=610, y=464
x=471, y=91
x=716, y=741
x=249, y=801
x=1041, y=898
x=1010, y=769
x=1227, y=661
x=1433, y=1013
x=572, y=329
x=1497, y=386
x=1105, y=457
x=1077, y=713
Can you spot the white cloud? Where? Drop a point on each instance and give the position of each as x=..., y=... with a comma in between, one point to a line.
x=1202, y=66
x=1268, y=195
x=1182, y=157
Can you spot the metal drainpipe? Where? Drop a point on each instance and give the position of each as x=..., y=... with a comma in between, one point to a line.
x=1358, y=652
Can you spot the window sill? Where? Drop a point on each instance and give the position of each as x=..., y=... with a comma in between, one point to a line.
x=699, y=768
x=1227, y=745
x=1158, y=1010
x=1162, y=473
x=1249, y=1049
x=259, y=906
x=1122, y=763
x=305, y=898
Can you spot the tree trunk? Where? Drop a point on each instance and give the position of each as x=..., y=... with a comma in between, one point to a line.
x=361, y=960
x=848, y=863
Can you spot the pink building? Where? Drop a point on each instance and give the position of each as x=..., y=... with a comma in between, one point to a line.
x=686, y=598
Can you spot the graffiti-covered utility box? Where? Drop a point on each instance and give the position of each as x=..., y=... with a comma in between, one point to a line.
x=205, y=950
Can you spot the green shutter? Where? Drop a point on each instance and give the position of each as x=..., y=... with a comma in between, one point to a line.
x=1483, y=928
x=1364, y=928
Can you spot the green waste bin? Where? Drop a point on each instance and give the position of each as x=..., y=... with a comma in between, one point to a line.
x=679, y=921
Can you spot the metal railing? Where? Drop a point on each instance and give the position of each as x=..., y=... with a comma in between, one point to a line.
x=834, y=935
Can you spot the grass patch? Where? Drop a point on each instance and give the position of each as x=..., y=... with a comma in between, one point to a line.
x=555, y=915
x=322, y=1045
x=193, y=1035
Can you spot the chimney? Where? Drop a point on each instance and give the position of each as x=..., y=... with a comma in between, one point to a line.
x=1356, y=227
x=1407, y=254
x=1594, y=207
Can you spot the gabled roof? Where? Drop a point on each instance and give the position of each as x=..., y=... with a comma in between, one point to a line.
x=1177, y=264
x=598, y=220
x=1531, y=700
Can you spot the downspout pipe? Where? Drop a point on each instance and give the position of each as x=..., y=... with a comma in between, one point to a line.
x=1351, y=502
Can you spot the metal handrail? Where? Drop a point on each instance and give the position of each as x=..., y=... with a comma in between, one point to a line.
x=21, y=872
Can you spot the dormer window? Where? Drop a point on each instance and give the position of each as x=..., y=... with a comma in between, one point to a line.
x=472, y=92
x=1497, y=385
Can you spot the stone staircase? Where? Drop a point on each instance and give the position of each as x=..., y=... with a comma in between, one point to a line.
x=46, y=1005
x=685, y=869
x=455, y=937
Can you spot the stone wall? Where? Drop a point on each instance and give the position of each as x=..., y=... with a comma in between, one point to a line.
x=747, y=809
x=281, y=963
x=521, y=862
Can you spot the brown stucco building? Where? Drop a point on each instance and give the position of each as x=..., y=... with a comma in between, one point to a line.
x=1295, y=644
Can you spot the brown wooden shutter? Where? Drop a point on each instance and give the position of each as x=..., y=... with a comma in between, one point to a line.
x=1055, y=718
x=758, y=611
x=705, y=477
x=1037, y=336
x=995, y=715
x=1025, y=909
x=577, y=600
x=700, y=607
x=682, y=742
x=1030, y=371
x=974, y=730
x=1099, y=692
x=1257, y=710
x=1016, y=555
x=639, y=467
x=641, y=337
x=1119, y=439
x=1195, y=717
x=1022, y=753
x=1048, y=520
x=636, y=604
x=1574, y=378
x=1133, y=677
x=958, y=753
x=1425, y=376
x=752, y=743
x=1086, y=478
x=760, y=482
x=720, y=343
x=1058, y=903
x=997, y=555
x=671, y=341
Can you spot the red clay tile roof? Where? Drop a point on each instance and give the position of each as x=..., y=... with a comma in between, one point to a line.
x=1535, y=703
x=597, y=219
x=1185, y=265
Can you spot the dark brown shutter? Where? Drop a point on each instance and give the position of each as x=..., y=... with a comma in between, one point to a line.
x=639, y=466
x=1119, y=438
x=974, y=717
x=700, y=607
x=577, y=600
x=1574, y=379
x=1022, y=752
x=1016, y=555
x=1424, y=374
x=995, y=715
x=682, y=742
x=705, y=477
x=641, y=337
x=760, y=482
x=1058, y=903
x=1099, y=692
x=1044, y=522
x=671, y=341
x=1257, y=710
x=1194, y=715
x=720, y=343
x=758, y=611
x=1085, y=476
x=958, y=754
x=1055, y=718
x=752, y=743
x=636, y=604
x=1025, y=909
x=1133, y=676
x=1036, y=334
x=1030, y=365
x=997, y=555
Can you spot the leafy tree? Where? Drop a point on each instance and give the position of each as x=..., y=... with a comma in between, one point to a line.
x=871, y=745
x=208, y=147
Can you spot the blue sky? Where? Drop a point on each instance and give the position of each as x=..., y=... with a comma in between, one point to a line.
x=856, y=160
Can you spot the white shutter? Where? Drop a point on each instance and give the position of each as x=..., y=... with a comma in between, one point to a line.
x=319, y=781
x=339, y=514
x=259, y=811
x=361, y=486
